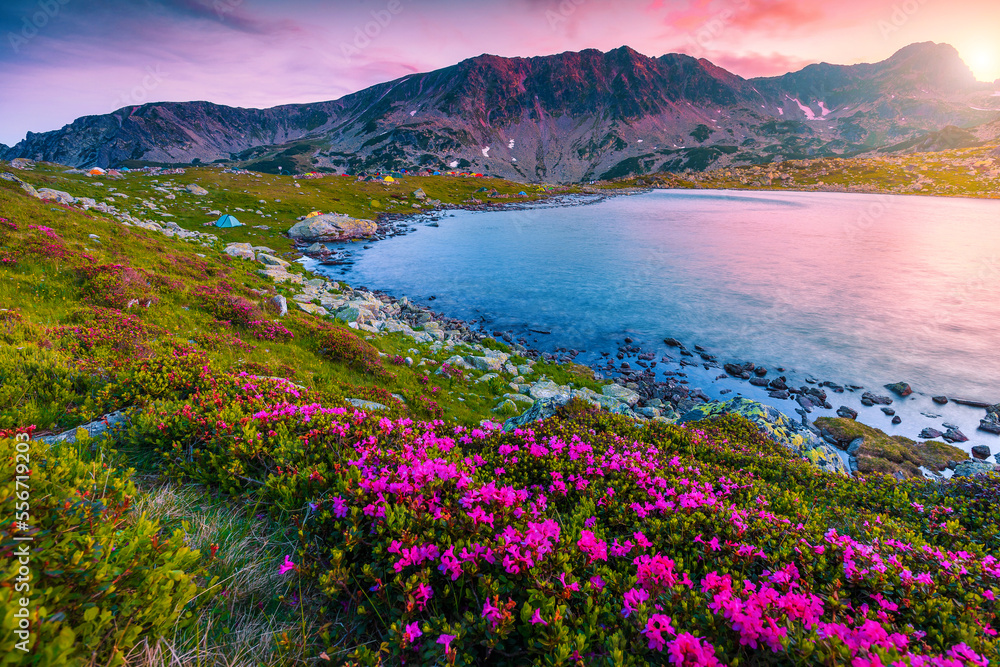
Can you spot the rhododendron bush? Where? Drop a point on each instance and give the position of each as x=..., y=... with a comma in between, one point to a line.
x=588, y=540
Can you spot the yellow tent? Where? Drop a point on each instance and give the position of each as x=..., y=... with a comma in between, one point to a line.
x=389, y=179
x=313, y=214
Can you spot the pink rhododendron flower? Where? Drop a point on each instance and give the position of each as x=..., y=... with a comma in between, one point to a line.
x=446, y=640
x=655, y=627
x=411, y=632
x=537, y=618
x=287, y=566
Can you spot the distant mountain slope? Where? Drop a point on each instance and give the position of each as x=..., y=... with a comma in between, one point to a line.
x=567, y=117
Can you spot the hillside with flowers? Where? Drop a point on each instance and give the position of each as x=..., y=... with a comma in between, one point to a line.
x=248, y=503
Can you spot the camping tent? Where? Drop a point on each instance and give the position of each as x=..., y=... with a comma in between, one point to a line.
x=96, y=171
x=227, y=220
x=389, y=179
x=313, y=214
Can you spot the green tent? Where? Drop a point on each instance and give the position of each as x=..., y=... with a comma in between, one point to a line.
x=228, y=221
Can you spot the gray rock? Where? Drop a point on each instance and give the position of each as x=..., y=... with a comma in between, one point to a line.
x=875, y=399
x=980, y=452
x=549, y=390
x=281, y=304
x=989, y=426
x=846, y=412
x=56, y=195
x=940, y=400
x=362, y=404
x=332, y=227
x=347, y=314
x=954, y=435
x=930, y=433
x=971, y=468
x=542, y=409
x=105, y=426
x=196, y=189
x=486, y=363
x=620, y=393
x=271, y=260
x=419, y=193
x=240, y=250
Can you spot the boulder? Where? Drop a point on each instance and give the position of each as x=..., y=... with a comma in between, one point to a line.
x=990, y=426
x=980, y=452
x=620, y=393
x=930, y=433
x=271, y=260
x=281, y=304
x=240, y=250
x=846, y=412
x=549, y=390
x=869, y=398
x=313, y=309
x=347, y=314
x=56, y=195
x=900, y=388
x=940, y=400
x=105, y=426
x=542, y=409
x=419, y=193
x=954, y=435
x=778, y=426
x=369, y=406
x=971, y=468
x=332, y=227
x=196, y=189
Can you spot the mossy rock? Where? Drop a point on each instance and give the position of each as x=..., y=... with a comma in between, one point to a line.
x=776, y=425
x=889, y=454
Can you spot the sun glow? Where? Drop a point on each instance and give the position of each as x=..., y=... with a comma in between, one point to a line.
x=983, y=62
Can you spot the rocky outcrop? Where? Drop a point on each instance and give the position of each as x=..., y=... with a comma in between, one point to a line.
x=790, y=434
x=332, y=227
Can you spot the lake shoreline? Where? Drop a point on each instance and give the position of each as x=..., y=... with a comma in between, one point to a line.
x=680, y=376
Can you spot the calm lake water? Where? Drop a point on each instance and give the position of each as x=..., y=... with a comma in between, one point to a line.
x=858, y=289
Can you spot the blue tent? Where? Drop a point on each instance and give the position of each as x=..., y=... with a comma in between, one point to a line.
x=228, y=221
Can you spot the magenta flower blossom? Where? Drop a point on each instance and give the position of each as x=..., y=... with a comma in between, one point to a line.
x=537, y=618
x=655, y=627
x=411, y=632
x=287, y=566
x=446, y=640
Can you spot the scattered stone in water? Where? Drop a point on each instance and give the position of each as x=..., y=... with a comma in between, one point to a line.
x=846, y=412
x=875, y=399
x=889, y=411
x=940, y=400
x=981, y=451
x=954, y=435
x=930, y=433
x=900, y=388
x=897, y=420
x=673, y=342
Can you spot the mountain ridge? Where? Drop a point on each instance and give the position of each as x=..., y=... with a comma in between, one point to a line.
x=577, y=115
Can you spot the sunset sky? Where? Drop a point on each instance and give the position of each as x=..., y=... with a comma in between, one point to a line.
x=61, y=59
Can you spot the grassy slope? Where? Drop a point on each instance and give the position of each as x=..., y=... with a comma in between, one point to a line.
x=251, y=615
x=229, y=192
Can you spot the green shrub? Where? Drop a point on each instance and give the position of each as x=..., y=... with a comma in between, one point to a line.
x=101, y=579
